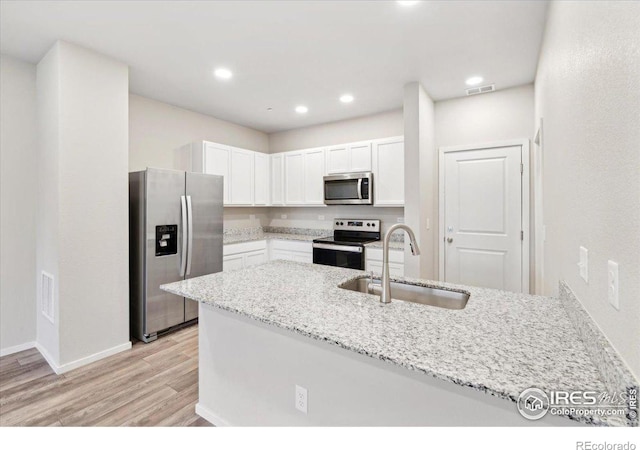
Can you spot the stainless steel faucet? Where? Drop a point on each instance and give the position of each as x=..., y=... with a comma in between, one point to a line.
x=385, y=295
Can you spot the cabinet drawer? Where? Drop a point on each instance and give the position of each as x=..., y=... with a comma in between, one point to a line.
x=243, y=247
x=395, y=256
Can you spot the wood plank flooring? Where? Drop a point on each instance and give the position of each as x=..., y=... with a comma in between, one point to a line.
x=152, y=384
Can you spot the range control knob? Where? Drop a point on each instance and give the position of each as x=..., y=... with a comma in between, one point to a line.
x=337, y=223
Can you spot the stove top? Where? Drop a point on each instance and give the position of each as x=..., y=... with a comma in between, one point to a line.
x=345, y=240
x=353, y=232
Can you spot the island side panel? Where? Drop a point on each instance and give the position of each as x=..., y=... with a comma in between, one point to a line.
x=248, y=373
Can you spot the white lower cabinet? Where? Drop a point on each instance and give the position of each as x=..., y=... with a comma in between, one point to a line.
x=373, y=261
x=291, y=250
x=245, y=254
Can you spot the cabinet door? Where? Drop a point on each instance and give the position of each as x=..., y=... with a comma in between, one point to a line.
x=338, y=159
x=241, y=177
x=277, y=179
x=360, y=157
x=217, y=161
x=255, y=258
x=261, y=179
x=313, y=176
x=232, y=262
x=388, y=178
x=294, y=178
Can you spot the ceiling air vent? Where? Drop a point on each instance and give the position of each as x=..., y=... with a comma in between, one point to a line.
x=481, y=89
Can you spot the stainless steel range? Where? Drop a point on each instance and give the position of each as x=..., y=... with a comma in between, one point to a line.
x=346, y=247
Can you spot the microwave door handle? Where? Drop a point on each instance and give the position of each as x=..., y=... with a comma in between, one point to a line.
x=359, y=188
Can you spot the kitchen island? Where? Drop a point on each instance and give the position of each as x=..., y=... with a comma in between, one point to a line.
x=269, y=328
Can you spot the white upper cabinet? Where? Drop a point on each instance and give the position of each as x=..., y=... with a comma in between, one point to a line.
x=241, y=178
x=360, y=157
x=388, y=172
x=314, y=160
x=261, y=179
x=277, y=178
x=338, y=159
x=217, y=161
x=235, y=165
x=354, y=157
x=294, y=178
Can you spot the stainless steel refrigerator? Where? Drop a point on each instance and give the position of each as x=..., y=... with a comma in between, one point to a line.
x=175, y=233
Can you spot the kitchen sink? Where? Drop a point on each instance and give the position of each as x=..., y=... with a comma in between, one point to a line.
x=423, y=295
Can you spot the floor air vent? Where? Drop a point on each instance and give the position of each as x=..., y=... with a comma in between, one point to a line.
x=46, y=295
x=481, y=89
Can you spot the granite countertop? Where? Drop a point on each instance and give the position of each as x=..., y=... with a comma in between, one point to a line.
x=297, y=236
x=501, y=343
x=237, y=239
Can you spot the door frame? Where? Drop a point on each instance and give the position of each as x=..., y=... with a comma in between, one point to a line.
x=524, y=199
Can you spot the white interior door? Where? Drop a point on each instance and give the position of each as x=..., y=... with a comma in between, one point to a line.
x=483, y=224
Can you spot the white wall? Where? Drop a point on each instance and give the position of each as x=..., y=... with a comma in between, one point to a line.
x=375, y=126
x=18, y=190
x=83, y=228
x=420, y=175
x=477, y=119
x=156, y=129
x=588, y=96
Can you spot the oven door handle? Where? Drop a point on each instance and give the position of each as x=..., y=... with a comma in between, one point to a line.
x=340, y=248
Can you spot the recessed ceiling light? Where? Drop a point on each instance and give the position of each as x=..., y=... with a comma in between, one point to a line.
x=301, y=109
x=474, y=80
x=408, y=3
x=346, y=98
x=223, y=74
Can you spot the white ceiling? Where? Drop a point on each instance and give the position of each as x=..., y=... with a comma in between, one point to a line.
x=285, y=53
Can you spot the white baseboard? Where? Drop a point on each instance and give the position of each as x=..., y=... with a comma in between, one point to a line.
x=16, y=348
x=59, y=369
x=210, y=416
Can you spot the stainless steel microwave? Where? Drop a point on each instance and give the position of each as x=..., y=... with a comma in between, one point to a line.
x=349, y=189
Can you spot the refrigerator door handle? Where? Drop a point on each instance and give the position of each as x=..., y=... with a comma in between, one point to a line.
x=190, y=238
x=183, y=250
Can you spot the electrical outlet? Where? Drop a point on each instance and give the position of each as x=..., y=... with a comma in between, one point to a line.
x=252, y=217
x=613, y=284
x=320, y=217
x=301, y=399
x=283, y=216
x=584, y=264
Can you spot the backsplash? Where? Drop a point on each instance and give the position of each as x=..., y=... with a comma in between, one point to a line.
x=305, y=231
x=615, y=373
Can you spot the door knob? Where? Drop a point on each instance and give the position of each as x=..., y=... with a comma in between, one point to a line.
x=449, y=240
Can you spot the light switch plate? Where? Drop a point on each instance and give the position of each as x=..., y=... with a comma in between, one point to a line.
x=584, y=264
x=613, y=284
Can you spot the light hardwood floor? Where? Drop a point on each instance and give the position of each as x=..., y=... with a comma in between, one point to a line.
x=152, y=384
